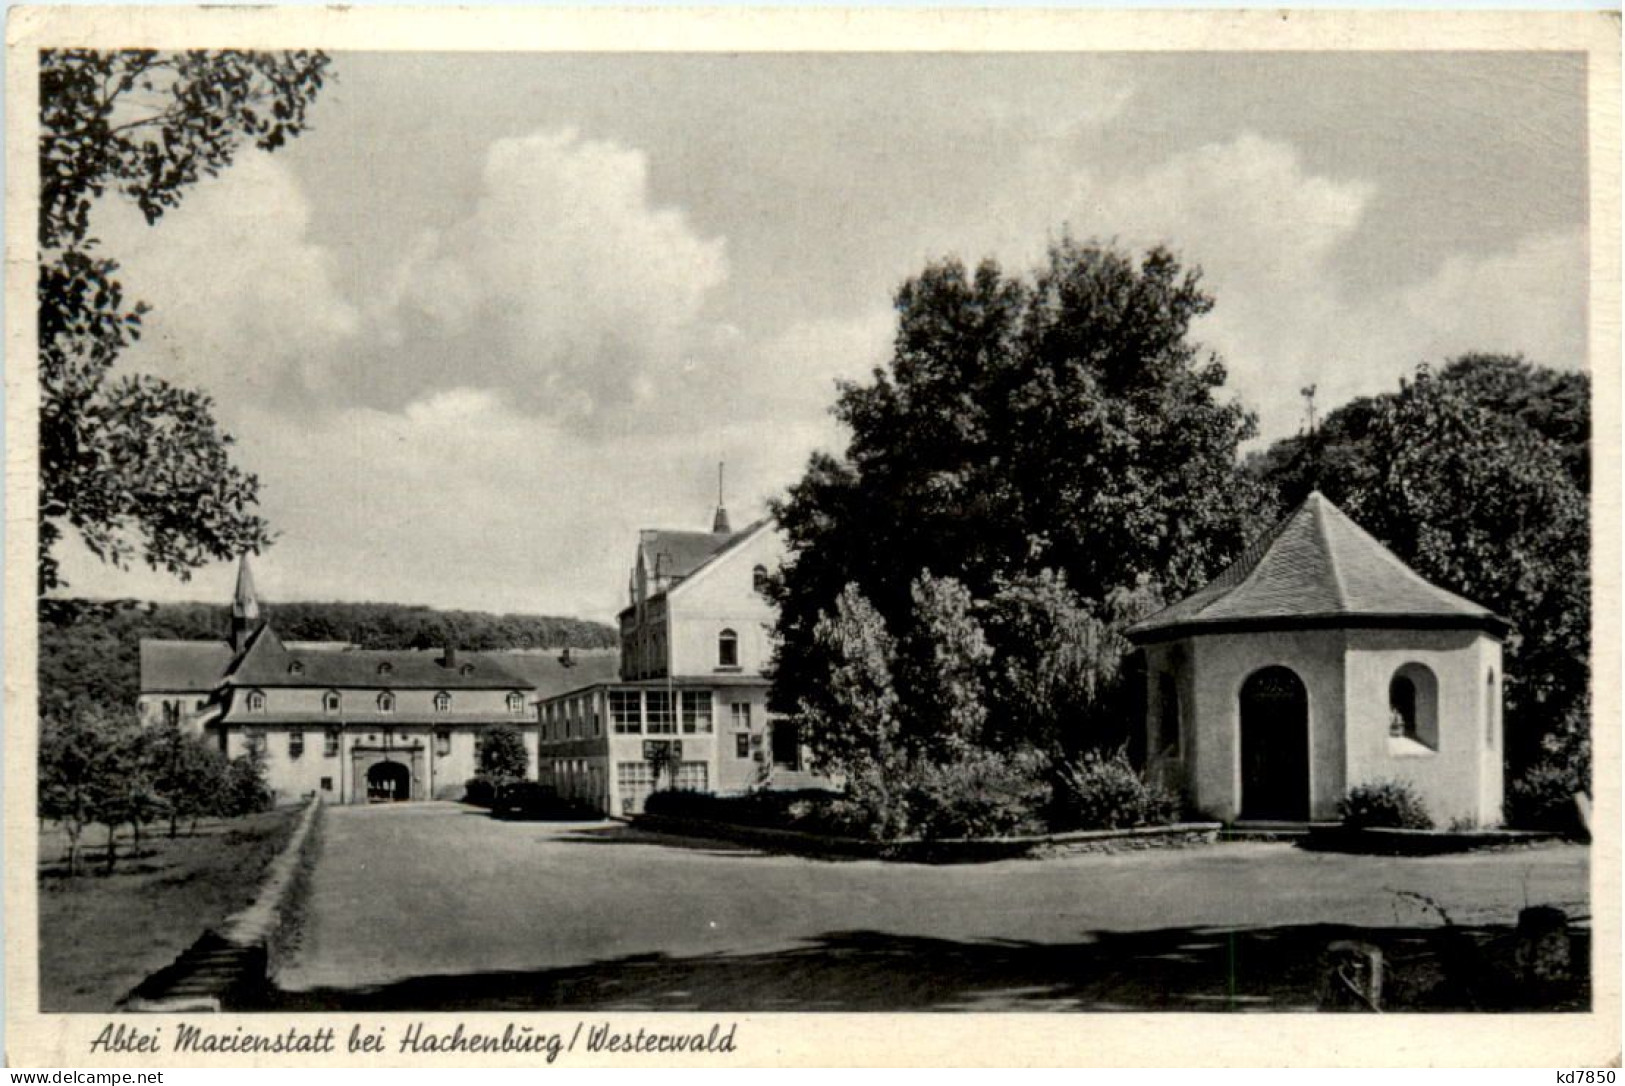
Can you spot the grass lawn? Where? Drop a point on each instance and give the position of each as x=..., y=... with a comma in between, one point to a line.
x=101, y=935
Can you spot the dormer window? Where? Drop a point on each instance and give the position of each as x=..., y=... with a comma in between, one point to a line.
x=256, y=701
x=386, y=702
x=466, y=669
x=516, y=702
x=296, y=668
x=442, y=702
x=758, y=579
x=386, y=668
x=330, y=702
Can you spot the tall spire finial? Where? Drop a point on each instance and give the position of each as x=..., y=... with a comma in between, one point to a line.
x=719, y=524
x=245, y=606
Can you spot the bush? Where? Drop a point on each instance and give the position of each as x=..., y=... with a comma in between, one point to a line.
x=805, y=811
x=1103, y=791
x=246, y=789
x=983, y=794
x=480, y=791
x=1392, y=805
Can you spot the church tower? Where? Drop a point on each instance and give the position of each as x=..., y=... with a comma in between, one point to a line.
x=245, y=607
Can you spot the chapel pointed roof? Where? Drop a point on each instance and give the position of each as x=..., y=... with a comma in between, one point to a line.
x=1316, y=568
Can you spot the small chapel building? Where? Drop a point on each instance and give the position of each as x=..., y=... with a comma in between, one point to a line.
x=1318, y=662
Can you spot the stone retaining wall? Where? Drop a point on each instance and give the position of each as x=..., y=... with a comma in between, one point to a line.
x=230, y=967
x=963, y=850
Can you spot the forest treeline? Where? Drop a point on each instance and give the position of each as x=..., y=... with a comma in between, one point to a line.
x=89, y=649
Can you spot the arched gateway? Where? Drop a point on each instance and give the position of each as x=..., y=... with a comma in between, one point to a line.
x=388, y=782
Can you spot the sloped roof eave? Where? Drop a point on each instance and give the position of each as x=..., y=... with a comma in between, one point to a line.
x=1150, y=632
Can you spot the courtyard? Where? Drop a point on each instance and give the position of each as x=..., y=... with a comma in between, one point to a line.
x=437, y=906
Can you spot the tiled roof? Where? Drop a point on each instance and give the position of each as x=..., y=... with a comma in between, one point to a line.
x=267, y=662
x=544, y=672
x=1316, y=567
x=182, y=665
x=676, y=555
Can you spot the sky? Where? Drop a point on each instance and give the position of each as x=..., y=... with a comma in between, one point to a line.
x=495, y=313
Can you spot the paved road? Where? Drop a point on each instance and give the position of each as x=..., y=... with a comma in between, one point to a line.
x=439, y=906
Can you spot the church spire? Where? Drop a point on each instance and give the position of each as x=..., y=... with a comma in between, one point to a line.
x=719, y=523
x=245, y=606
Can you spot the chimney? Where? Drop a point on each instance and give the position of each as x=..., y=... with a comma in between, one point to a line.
x=451, y=656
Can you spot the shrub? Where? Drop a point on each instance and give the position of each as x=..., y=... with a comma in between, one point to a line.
x=1103, y=791
x=1543, y=798
x=480, y=791
x=982, y=794
x=1390, y=805
x=246, y=789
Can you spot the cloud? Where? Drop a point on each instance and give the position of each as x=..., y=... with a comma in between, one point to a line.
x=563, y=286
x=1267, y=233
x=245, y=304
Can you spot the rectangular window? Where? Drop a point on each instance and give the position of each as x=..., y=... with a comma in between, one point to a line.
x=330, y=743
x=691, y=777
x=696, y=712
x=740, y=711
x=442, y=743
x=296, y=743
x=254, y=742
x=741, y=745
x=327, y=784
x=634, y=781
x=624, y=711
x=657, y=713
x=786, y=744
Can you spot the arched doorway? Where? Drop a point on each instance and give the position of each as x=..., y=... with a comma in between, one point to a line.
x=1274, y=746
x=388, y=782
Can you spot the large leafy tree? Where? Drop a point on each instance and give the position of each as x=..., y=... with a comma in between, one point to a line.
x=1063, y=421
x=135, y=465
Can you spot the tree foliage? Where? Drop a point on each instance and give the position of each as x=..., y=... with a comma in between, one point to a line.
x=132, y=463
x=1053, y=448
x=502, y=754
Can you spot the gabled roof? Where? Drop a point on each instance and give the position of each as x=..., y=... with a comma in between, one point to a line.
x=182, y=666
x=543, y=671
x=683, y=554
x=1316, y=568
x=265, y=661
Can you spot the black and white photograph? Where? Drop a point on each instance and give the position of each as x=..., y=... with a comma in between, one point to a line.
x=516, y=537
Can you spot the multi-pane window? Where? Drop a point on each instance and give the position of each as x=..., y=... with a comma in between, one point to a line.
x=634, y=780
x=442, y=742
x=256, y=701
x=740, y=711
x=386, y=702
x=758, y=578
x=255, y=742
x=657, y=713
x=691, y=777
x=442, y=702
x=330, y=702
x=727, y=649
x=696, y=712
x=330, y=743
x=741, y=745
x=624, y=712
x=516, y=702
x=296, y=743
